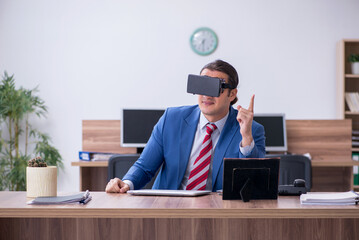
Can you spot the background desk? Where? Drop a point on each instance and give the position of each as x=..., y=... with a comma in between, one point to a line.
x=93, y=175
x=326, y=176
x=328, y=142
x=122, y=216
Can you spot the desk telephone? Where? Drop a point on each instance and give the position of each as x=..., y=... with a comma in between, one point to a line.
x=296, y=189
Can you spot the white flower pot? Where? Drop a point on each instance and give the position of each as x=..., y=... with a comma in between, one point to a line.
x=355, y=68
x=41, y=181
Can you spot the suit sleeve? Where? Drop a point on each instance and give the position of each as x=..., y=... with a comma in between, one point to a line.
x=258, y=150
x=151, y=158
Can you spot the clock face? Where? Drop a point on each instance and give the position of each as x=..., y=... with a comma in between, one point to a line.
x=204, y=41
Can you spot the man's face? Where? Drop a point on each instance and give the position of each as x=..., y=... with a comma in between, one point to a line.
x=215, y=108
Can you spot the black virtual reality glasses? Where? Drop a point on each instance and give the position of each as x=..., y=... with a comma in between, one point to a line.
x=204, y=85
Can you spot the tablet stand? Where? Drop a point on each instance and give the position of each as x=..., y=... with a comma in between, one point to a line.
x=246, y=190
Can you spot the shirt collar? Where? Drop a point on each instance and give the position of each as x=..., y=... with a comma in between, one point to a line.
x=220, y=123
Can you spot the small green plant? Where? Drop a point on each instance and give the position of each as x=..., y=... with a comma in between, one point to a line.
x=353, y=58
x=37, y=162
x=17, y=134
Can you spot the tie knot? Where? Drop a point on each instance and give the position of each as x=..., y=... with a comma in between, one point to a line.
x=210, y=128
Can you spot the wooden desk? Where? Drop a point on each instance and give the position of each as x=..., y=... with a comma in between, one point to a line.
x=122, y=216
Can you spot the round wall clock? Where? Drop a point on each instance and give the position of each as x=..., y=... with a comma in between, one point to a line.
x=204, y=41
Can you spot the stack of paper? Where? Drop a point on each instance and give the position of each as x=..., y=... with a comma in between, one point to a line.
x=340, y=198
x=77, y=198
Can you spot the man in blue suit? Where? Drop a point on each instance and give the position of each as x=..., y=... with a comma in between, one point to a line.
x=177, y=139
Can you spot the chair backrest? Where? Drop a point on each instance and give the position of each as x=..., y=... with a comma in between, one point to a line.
x=293, y=167
x=118, y=166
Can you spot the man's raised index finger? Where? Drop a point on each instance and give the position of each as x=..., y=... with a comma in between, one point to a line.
x=251, y=104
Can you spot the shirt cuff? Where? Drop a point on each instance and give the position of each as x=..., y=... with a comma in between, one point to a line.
x=129, y=183
x=247, y=149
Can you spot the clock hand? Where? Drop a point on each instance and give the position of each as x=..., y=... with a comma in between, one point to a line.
x=203, y=43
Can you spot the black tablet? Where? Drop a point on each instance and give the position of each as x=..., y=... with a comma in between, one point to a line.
x=250, y=178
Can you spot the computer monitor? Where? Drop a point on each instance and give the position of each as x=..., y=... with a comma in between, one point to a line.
x=275, y=131
x=137, y=126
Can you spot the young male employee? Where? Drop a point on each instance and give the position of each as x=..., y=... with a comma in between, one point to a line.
x=190, y=142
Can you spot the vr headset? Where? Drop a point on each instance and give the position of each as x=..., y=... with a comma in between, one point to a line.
x=204, y=85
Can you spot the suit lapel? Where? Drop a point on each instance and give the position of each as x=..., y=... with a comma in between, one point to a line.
x=187, y=132
x=228, y=132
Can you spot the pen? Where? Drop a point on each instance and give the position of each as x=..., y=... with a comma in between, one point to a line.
x=86, y=200
x=86, y=194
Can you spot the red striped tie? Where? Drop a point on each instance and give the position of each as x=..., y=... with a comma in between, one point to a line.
x=198, y=177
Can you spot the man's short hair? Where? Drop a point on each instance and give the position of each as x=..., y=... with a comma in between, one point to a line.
x=222, y=66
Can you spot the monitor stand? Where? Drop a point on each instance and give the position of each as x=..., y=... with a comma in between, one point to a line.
x=276, y=154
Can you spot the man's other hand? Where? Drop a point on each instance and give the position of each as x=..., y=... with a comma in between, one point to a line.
x=116, y=185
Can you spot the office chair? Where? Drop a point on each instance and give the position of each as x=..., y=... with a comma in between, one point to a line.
x=293, y=167
x=118, y=166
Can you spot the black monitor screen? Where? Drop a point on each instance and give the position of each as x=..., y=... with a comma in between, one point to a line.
x=137, y=126
x=275, y=131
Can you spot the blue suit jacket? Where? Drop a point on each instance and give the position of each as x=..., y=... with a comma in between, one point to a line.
x=171, y=143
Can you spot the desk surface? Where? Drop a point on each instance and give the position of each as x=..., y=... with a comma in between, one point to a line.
x=105, y=205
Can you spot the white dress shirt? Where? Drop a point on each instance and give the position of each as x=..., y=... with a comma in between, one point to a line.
x=197, y=144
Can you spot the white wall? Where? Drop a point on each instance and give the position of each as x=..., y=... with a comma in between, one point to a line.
x=91, y=58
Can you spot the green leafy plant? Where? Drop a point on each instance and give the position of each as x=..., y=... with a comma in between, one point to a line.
x=17, y=134
x=353, y=58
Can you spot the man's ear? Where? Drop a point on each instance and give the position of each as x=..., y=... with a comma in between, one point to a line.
x=233, y=94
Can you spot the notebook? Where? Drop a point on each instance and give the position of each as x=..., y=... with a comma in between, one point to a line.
x=171, y=193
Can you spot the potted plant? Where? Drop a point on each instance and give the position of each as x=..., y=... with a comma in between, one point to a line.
x=354, y=60
x=41, y=180
x=18, y=139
